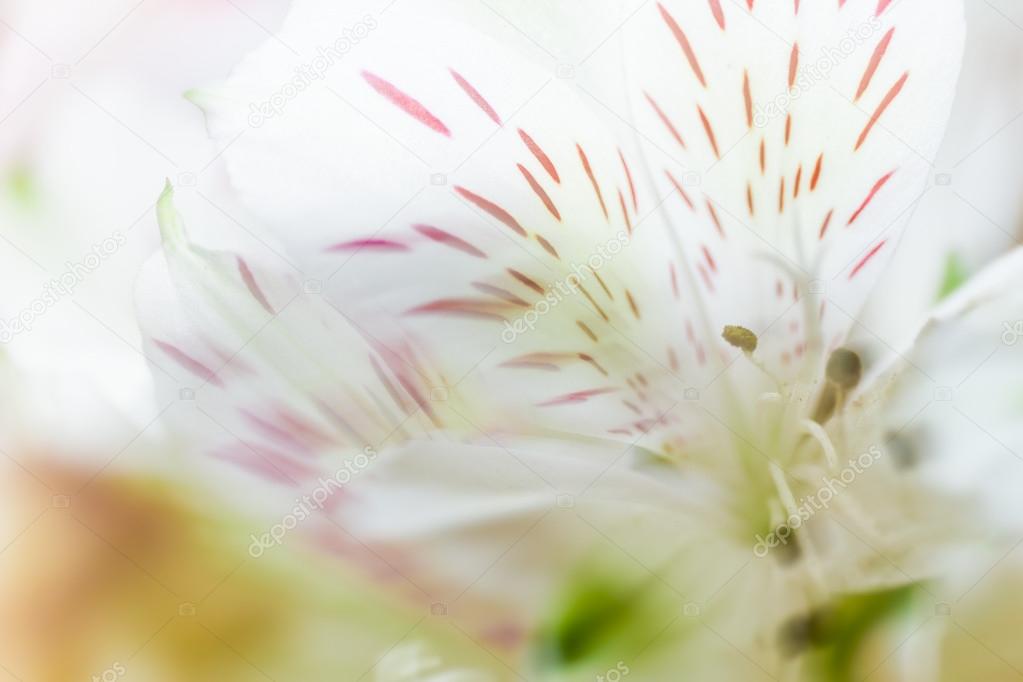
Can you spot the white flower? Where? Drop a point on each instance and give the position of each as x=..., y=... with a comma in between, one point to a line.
x=516, y=294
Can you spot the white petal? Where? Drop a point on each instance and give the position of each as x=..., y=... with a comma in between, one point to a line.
x=810, y=126
x=956, y=407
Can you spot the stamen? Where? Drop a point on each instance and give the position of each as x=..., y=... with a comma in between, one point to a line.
x=812, y=428
x=740, y=338
x=845, y=368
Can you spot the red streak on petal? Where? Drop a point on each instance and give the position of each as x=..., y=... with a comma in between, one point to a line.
x=625, y=212
x=632, y=304
x=683, y=42
x=406, y=103
x=873, y=192
x=763, y=156
x=494, y=210
x=824, y=225
x=799, y=180
x=866, y=259
x=681, y=191
x=788, y=129
x=747, y=97
x=674, y=281
x=527, y=281
x=371, y=244
x=448, y=239
x=794, y=61
x=476, y=97
x=816, y=173
x=542, y=157
x=749, y=199
x=459, y=307
x=548, y=247
x=577, y=397
x=628, y=176
x=875, y=61
x=189, y=363
x=666, y=121
x=709, y=130
x=882, y=5
x=500, y=293
x=253, y=286
x=706, y=277
x=885, y=103
x=719, y=15
x=539, y=191
x=714, y=217
x=710, y=259
x=593, y=180
x=587, y=330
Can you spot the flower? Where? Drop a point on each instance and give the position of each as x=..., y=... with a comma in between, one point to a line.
x=635, y=302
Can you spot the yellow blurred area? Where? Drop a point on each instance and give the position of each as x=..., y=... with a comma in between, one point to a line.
x=136, y=578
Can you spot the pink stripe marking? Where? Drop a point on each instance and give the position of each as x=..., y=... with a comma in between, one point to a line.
x=593, y=180
x=371, y=244
x=710, y=258
x=406, y=103
x=494, y=210
x=253, y=286
x=476, y=97
x=540, y=192
x=461, y=307
x=189, y=363
x=794, y=62
x=665, y=120
x=500, y=293
x=448, y=239
x=866, y=259
x=681, y=191
x=577, y=397
x=875, y=61
x=709, y=130
x=882, y=5
x=683, y=42
x=747, y=97
x=870, y=197
x=714, y=217
x=628, y=176
x=824, y=225
x=816, y=173
x=888, y=99
x=719, y=15
x=544, y=160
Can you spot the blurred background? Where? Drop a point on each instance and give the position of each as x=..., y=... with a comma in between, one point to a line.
x=111, y=565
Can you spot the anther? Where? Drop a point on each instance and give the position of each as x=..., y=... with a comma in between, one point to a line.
x=845, y=368
x=740, y=338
